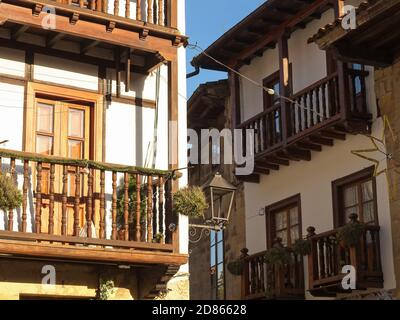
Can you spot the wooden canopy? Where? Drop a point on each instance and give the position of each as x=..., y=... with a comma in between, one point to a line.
x=260, y=31
x=375, y=41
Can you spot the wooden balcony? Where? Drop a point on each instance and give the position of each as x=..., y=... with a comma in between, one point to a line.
x=328, y=257
x=89, y=211
x=317, y=115
x=263, y=281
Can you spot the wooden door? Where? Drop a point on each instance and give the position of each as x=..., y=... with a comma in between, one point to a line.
x=62, y=129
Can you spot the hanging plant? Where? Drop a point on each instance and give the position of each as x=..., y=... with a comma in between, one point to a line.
x=349, y=235
x=190, y=201
x=235, y=267
x=106, y=289
x=302, y=247
x=10, y=196
x=278, y=256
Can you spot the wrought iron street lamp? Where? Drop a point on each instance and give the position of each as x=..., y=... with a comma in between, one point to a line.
x=220, y=195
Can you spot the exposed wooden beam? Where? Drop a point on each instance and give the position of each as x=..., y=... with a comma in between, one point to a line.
x=18, y=32
x=87, y=45
x=320, y=140
x=52, y=40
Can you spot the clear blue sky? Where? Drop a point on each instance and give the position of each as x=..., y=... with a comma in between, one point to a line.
x=206, y=21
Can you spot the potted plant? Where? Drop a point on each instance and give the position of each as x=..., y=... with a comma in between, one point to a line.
x=302, y=247
x=278, y=255
x=106, y=289
x=190, y=201
x=10, y=196
x=235, y=267
x=349, y=235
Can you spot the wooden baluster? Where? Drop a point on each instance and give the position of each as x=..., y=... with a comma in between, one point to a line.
x=11, y=211
x=318, y=105
x=312, y=258
x=64, y=201
x=138, y=200
x=102, y=204
x=126, y=206
x=149, y=209
x=139, y=10
x=1, y=165
x=160, y=12
x=150, y=11
x=168, y=210
x=161, y=207
x=324, y=111
x=25, y=195
x=116, y=7
x=127, y=8
x=38, y=216
x=245, y=274
x=253, y=277
x=321, y=257
x=81, y=3
x=154, y=210
x=77, y=201
x=105, y=6
x=93, y=4
x=114, y=207
x=89, y=205
x=262, y=280
x=51, y=198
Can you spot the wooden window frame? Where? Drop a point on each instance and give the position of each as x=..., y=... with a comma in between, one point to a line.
x=269, y=79
x=277, y=206
x=337, y=197
x=95, y=100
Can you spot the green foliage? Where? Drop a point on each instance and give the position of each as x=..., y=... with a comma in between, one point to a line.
x=106, y=289
x=235, y=267
x=302, y=247
x=351, y=233
x=132, y=204
x=190, y=201
x=10, y=196
x=278, y=256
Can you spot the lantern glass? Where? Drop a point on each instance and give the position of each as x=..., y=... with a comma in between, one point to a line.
x=220, y=194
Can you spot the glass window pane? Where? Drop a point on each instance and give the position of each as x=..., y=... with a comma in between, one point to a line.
x=294, y=234
x=45, y=117
x=294, y=216
x=369, y=215
x=350, y=196
x=220, y=252
x=212, y=256
x=212, y=237
x=367, y=191
x=219, y=236
x=44, y=145
x=75, y=149
x=280, y=220
x=76, y=123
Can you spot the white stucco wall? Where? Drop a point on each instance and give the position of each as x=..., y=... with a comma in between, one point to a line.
x=312, y=180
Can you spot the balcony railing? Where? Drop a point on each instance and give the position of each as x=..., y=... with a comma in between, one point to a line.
x=315, y=108
x=151, y=11
x=328, y=256
x=261, y=280
x=78, y=202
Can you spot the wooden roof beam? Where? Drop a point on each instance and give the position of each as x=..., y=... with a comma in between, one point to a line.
x=52, y=40
x=86, y=46
x=15, y=34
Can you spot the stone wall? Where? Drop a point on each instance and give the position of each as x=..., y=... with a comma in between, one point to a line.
x=387, y=87
x=234, y=234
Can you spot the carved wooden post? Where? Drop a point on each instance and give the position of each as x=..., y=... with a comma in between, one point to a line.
x=89, y=205
x=77, y=200
x=149, y=208
x=312, y=262
x=138, y=10
x=126, y=206
x=64, y=201
x=138, y=215
x=354, y=251
x=150, y=11
x=102, y=204
x=160, y=12
x=127, y=9
x=51, y=198
x=38, y=197
x=245, y=274
x=11, y=211
x=116, y=7
x=114, y=207
x=25, y=195
x=161, y=207
x=279, y=271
